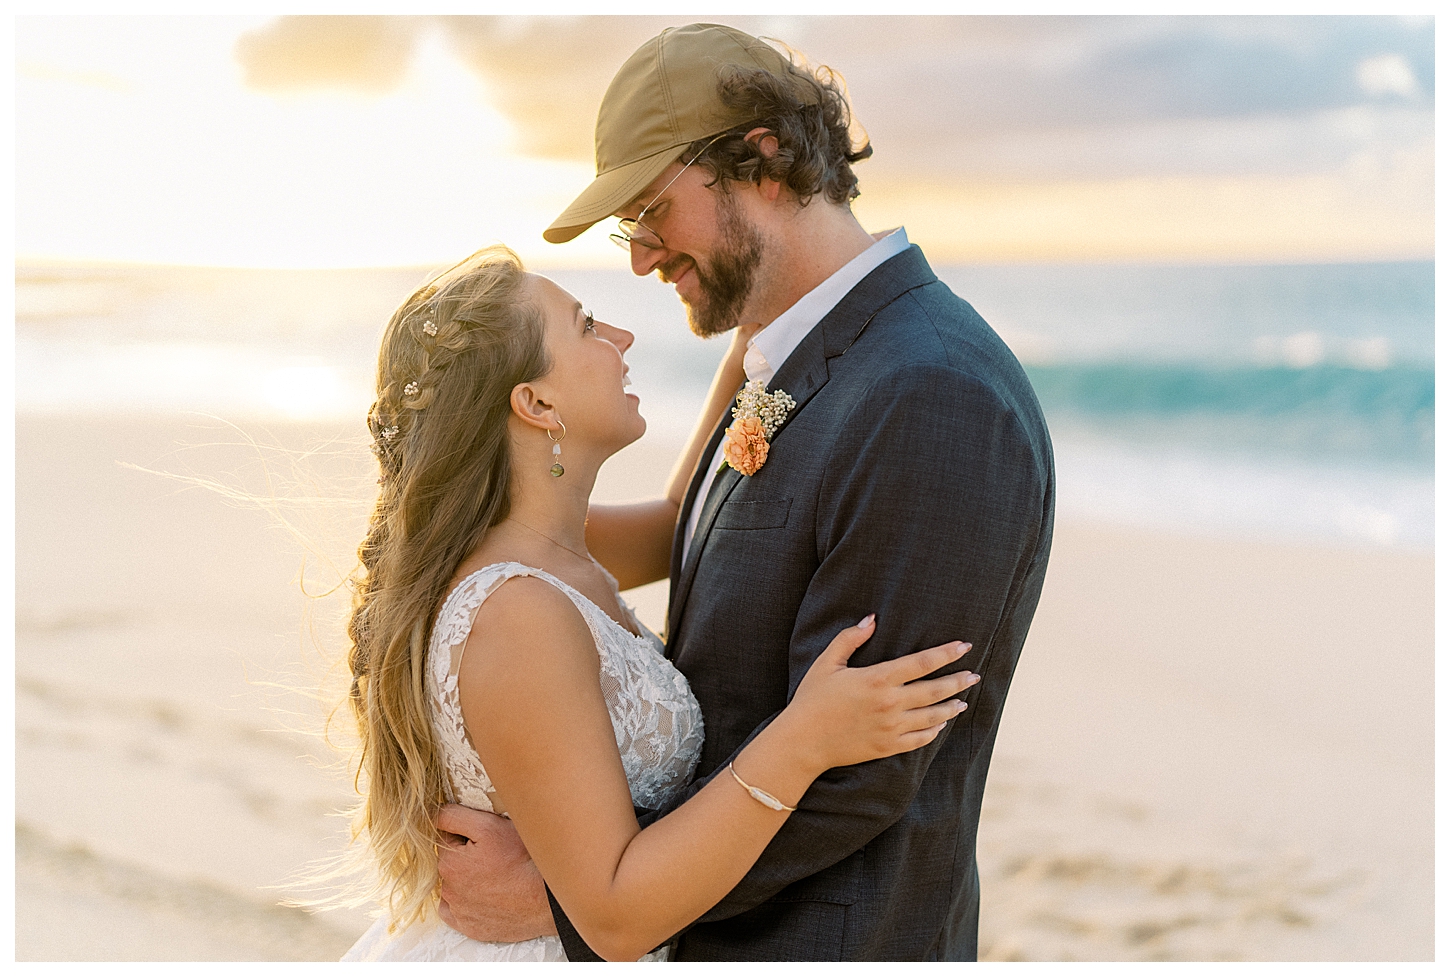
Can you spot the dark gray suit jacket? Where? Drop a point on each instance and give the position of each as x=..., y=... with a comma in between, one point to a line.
x=914, y=478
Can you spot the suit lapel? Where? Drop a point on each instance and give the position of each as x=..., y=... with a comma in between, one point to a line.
x=802, y=376
x=807, y=368
x=890, y=280
x=720, y=490
x=686, y=507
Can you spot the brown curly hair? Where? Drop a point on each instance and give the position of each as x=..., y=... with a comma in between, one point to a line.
x=815, y=149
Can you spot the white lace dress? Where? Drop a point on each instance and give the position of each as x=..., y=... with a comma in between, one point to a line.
x=657, y=725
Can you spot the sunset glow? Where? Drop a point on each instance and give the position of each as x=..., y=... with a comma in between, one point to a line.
x=153, y=160
x=139, y=139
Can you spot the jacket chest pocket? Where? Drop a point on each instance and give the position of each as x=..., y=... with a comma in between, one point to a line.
x=753, y=515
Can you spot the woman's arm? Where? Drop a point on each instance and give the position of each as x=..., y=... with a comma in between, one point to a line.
x=529, y=687
x=633, y=540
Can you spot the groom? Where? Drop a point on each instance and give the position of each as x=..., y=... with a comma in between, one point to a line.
x=913, y=478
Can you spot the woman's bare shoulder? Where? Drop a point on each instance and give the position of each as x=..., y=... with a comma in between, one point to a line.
x=527, y=621
x=530, y=666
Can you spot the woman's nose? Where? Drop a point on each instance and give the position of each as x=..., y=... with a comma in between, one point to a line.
x=621, y=338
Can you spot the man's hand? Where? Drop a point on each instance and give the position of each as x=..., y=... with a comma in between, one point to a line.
x=491, y=889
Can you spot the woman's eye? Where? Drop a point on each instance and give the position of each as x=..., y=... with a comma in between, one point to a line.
x=589, y=320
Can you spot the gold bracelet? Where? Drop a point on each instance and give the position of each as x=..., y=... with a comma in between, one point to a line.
x=762, y=796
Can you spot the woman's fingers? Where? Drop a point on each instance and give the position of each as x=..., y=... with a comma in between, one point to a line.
x=844, y=645
x=915, y=720
x=930, y=690
x=917, y=739
x=910, y=667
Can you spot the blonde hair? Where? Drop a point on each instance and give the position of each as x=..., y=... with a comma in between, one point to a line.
x=450, y=358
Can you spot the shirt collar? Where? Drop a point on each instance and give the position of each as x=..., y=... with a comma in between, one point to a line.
x=774, y=344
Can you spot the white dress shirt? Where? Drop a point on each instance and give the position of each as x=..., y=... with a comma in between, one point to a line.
x=774, y=344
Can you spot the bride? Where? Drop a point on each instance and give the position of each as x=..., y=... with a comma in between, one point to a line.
x=495, y=666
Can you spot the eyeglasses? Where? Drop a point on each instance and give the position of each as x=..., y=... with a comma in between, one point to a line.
x=633, y=231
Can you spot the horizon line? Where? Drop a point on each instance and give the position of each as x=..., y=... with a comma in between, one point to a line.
x=1168, y=261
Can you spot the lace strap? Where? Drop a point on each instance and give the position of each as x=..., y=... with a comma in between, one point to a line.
x=460, y=609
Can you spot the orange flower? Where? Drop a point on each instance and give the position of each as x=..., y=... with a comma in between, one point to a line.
x=745, y=445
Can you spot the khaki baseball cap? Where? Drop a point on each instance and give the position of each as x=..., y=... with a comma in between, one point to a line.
x=662, y=99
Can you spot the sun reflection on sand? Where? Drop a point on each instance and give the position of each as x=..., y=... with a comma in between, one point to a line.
x=303, y=391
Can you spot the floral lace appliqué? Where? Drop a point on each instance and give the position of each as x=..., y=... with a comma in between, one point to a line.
x=657, y=726
x=657, y=723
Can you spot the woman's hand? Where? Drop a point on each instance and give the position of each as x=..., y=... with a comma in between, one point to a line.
x=850, y=715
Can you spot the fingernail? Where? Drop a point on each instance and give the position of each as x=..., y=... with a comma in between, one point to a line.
x=963, y=647
x=866, y=621
x=974, y=678
x=961, y=706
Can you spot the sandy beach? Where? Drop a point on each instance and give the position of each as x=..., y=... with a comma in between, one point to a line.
x=1214, y=749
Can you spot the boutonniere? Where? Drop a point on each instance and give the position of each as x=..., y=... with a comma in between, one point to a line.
x=758, y=415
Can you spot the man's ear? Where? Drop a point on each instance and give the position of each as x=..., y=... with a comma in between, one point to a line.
x=529, y=405
x=769, y=145
x=764, y=139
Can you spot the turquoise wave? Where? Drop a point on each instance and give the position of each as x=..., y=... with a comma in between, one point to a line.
x=1327, y=410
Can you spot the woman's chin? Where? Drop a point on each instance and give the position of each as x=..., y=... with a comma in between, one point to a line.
x=637, y=428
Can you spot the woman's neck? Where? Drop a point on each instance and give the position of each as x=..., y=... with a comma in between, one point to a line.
x=553, y=506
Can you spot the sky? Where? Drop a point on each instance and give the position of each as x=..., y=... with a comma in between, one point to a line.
x=370, y=141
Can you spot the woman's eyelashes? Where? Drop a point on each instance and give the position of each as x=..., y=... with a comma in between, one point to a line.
x=588, y=321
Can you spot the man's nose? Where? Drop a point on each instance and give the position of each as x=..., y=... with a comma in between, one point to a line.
x=643, y=260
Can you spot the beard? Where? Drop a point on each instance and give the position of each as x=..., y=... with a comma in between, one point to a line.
x=727, y=283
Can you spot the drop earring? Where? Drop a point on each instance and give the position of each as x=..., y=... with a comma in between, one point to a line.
x=558, y=468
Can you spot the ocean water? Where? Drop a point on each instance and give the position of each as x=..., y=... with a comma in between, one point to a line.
x=1292, y=402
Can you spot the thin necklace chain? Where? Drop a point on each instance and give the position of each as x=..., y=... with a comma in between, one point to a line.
x=583, y=556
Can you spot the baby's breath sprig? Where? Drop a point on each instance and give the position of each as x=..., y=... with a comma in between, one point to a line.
x=757, y=415
x=771, y=408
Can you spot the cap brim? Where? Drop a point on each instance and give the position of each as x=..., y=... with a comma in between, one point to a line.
x=608, y=193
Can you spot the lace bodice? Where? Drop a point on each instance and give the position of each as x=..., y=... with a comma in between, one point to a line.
x=657, y=722
x=657, y=726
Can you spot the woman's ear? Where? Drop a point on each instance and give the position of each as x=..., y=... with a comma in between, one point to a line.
x=529, y=406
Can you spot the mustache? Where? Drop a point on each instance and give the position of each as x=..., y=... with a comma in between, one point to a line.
x=673, y=268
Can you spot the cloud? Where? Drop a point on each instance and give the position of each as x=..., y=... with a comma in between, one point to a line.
x=1129, y=95
x=547, y=74
x=367, y=54
x=1387, y=74
x=975, y=96
x=1231, y=145
x=996, y=138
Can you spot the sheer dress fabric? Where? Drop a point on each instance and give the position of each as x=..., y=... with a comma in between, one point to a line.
x=657, y=727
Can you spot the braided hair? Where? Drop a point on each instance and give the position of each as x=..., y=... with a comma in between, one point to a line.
x=450, y=358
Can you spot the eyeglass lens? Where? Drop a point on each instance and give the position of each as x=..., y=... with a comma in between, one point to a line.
x=631, y=231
